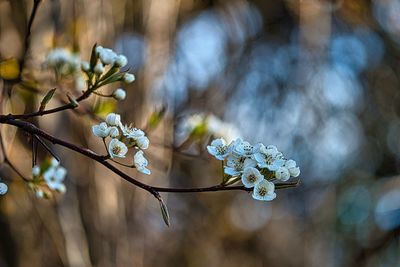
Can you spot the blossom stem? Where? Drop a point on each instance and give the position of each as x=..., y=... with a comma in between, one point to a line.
x=100, y=94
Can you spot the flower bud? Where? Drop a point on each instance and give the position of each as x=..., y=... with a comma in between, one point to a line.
x=113, y=119
x=121, y=61
x=85, y=66
x=99, y=49
x=54, y=162
x=36, y=170
x=119, y=94
x=142, y=142
x=107, y=56
x=3, y=188
x=128, y=78
x=99, y=68
x=113, y=132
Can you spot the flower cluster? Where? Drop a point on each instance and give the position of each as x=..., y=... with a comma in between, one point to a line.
x=65, y=64
x=48, y=177
x=257, y=166
x=62, y=61
x=105, y=68
x=123, y=137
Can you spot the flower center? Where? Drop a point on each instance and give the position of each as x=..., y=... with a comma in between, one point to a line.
x=221, y=149
x=116, y=150
x=262, y=191
x=252, y=178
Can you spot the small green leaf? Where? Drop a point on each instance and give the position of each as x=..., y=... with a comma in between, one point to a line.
x=46, y=99
x=113, y=78
x=110, y=72
x=164, y=212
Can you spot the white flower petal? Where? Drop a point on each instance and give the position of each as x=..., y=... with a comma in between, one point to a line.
x=264, y=190
x=251, y=176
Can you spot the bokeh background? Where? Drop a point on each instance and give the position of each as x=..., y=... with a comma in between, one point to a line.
x=319, y=79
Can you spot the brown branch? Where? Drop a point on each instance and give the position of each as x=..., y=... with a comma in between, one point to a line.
x=85, y=95
x=32, y=129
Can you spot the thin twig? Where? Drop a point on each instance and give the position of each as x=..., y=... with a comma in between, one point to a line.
x=27, y=39
x=46, y=147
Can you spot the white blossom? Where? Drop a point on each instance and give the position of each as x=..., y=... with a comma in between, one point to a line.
x=107, y=56
x=39, y=193
x=142, y=142
x=219, y=149
x=113, y=132
x=113, y=119
x=36, y=170
x=98, y=49
x=102, y=130
x=251, y=176
x=3, y=188
x=241, y=148
x=292, y=168
x=282, y=173
x=119, y=94
x=54, y=162
x=63, y=61
x=131, y=132
x=235, y=165
x=268, y=157
x=128, y=78
x=85, y=66
x=121, y=61
x=99, y=68
x=264, y=190
x=117, y=149
x=54, y=177
x=141, y=162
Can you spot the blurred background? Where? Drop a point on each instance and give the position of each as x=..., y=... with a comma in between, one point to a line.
x=319, y=79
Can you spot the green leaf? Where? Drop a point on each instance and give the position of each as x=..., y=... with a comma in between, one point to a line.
x=93, y=57
x=164, y=212
x=46, y=99
x=110, y=72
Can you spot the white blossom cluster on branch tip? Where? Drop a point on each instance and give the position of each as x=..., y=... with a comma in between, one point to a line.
x=65, y=64
x=47, y=178
x=104, y=67
x=63, y=61
x=122, y=137
x=256, y=166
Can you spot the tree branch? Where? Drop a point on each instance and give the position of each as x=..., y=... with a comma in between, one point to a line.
x=32, y=129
